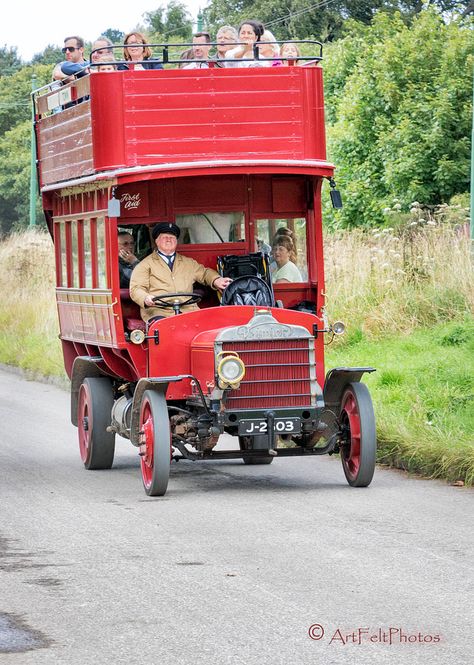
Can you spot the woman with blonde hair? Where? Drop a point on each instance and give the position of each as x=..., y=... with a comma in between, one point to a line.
x=284, y=253
x=137, y=54
x=288, y=52
x=268, y=48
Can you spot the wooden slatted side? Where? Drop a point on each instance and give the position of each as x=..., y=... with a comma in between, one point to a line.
x=65, y=144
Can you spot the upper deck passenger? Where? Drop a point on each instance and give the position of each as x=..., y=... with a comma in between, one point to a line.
x=100, y=48
x=200, y=51
x=268, y=48
x=250, y=32
x=226, y=38
x=137, y=54
x=75, y=63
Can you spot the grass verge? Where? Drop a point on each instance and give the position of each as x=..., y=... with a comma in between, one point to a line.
x=423, y=392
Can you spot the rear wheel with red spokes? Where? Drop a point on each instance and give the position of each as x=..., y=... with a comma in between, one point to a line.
x=155, y=443
x=359, y=445
x=96, y=445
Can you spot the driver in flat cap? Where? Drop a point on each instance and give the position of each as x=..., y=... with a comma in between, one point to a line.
x=164, y=271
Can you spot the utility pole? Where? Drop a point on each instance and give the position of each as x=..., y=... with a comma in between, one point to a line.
x=33, y=160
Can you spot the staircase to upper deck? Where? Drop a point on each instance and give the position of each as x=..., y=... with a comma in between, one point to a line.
x=172, y=119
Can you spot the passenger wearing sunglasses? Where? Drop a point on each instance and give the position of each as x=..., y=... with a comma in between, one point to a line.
x=74, y=63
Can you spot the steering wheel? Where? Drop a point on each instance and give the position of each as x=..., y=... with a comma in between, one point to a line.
x=170, y=300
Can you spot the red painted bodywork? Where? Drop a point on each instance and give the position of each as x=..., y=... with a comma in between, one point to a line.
x=212, y=116
x=174, y=142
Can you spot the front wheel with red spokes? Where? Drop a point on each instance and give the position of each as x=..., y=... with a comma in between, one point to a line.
x=155, y=443
x=358, y=436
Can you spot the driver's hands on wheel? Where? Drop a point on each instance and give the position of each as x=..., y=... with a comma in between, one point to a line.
x=149, y=302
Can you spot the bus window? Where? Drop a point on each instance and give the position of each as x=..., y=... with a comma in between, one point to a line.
x=62, y=236
x=102, y=273
x=267, y=233
x=75, y=255
x=87, y=255
x=211, y=227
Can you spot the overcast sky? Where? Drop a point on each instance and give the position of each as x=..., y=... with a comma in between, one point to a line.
x=30, y=25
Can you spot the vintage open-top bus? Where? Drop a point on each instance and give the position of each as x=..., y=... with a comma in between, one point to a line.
x=231, y=155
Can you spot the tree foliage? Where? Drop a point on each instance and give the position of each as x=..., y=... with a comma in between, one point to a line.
x=10, y=61
x=320, y=19
x=170, y=21
x=399, y=104
x=115, y=36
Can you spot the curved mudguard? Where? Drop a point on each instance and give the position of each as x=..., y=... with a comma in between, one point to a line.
x=83, y=367
x=336, y=381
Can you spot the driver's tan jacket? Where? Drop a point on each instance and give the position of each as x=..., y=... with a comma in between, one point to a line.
x=153, y=277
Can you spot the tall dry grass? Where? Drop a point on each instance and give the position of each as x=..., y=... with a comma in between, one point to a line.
x=28, y=315
x=399, y=279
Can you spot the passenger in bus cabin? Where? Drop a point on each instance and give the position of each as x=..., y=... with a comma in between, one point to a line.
x=75, y=64
x=284, y=254
x=127, y=258
x=201, y=48
x=267, y=49
x=137, y=54
x=250, y=31
x=165, y=272
x=226, y=38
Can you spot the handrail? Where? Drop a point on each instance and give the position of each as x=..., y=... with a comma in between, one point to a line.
x=165, y=59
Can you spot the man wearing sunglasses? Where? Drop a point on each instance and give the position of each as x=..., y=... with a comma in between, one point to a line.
x=74, y=63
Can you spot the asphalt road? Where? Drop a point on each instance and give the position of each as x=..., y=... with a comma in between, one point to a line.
x=234, y=565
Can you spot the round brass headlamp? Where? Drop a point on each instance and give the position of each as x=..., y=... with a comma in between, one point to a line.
x=230, y=370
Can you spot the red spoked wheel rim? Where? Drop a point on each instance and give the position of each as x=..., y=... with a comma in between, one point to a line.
x=155, y=443
x=350, y=422
x=147, y=445
x=84, y=423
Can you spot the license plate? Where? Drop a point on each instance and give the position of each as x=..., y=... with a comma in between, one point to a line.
x=260, y=426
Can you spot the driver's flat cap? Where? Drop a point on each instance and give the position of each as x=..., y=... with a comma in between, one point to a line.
x=165, y=227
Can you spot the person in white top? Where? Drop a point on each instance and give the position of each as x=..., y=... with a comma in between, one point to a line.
x=268, y=48
x=284, y=253
x=250, y=32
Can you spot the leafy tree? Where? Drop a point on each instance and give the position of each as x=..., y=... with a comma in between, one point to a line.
x=400, y=104
x=15, y=95
x=300, y=19
x=115, y=36
x=51, y=55
x=10, y=61
x=170, y=21
x=15, y=177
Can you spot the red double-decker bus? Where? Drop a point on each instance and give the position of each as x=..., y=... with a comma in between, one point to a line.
x=232, y=156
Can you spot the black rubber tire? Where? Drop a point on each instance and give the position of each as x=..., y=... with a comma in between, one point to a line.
x=96, y=445
x=358, y=455
x=254, y=443
x=154, y=421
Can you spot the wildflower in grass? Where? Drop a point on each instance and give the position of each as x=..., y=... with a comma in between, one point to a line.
x=415, y=204
x=431, y=222
x=388, y=282
x=414, y=223
x=387, y=211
